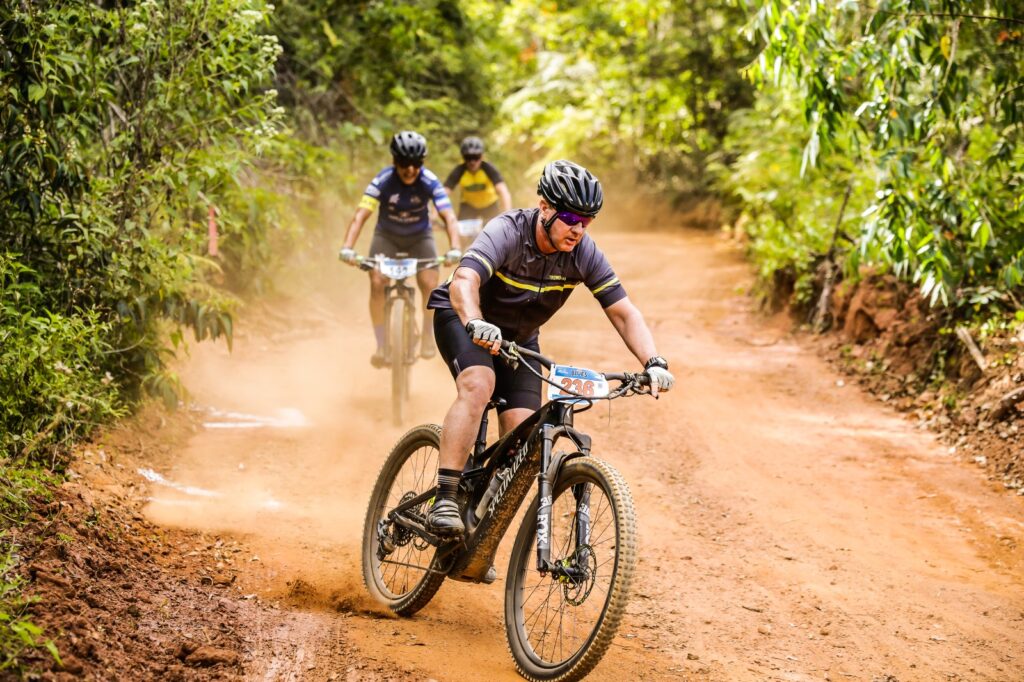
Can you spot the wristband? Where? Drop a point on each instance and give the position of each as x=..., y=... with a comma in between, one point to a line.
x=656, y=361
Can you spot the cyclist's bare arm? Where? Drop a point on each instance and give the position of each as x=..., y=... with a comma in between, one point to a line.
x=355, y=227
x=504, y=197
x=465, y=294
x=451, y=226
x=629, y=323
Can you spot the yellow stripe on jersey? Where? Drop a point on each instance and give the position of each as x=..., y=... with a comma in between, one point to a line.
x=474, y=254
x=613, y=280
x=369, y=203
x=533, y=287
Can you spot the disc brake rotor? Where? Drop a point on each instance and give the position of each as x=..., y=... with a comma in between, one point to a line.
x=391, y=535
x=576, y=590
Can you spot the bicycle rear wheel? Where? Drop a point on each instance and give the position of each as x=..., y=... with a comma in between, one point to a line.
x=558, y=629
x=399, y=364
x=404, y=578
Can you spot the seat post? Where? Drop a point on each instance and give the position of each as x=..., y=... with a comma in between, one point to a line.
x=481, y=435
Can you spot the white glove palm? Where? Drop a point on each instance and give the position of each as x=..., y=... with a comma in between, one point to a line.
x=452, y=257
x=485, y=334
x=347, y=255
x=661, y=379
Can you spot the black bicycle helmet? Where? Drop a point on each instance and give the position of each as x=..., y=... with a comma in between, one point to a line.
x=569, y=186
x=409, y=144
x=472, y=146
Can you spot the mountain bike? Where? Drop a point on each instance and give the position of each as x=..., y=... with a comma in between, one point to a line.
x=401, y=331
x=573, y=558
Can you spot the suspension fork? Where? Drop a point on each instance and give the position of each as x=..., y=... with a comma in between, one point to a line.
x=544, y=508
x=581, y=491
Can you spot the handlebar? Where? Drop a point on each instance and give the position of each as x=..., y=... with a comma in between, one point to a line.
x=628, y=380
x=374, y=262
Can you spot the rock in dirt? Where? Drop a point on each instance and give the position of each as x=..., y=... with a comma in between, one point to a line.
x=223, y=579
x=210, y=656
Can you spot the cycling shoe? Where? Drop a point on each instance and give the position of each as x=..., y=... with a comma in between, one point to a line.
x=443, y=518
x=378, y=359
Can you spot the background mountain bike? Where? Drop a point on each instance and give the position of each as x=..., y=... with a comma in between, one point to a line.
x=573, y=558
x=401, y=330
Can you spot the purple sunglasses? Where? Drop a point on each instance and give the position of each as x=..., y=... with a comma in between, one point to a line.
x=571, y=219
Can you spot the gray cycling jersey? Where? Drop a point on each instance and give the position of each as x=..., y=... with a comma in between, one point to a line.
x=521, y=288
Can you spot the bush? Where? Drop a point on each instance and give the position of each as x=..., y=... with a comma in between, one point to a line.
x=53, y=385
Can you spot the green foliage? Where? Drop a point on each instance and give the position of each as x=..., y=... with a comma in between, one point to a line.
x=646, y=83
x=927, y=97
x=54, y=386
x=118, y=125
x=354, y=71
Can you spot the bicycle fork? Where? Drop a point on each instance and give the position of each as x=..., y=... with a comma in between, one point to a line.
x=574, y=567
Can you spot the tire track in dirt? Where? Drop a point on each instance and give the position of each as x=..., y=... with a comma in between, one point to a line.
x=790, y=527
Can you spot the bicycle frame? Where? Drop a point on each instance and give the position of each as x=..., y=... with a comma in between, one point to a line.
x=397, y=288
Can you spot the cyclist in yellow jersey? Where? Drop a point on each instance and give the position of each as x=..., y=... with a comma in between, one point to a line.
x=484, y=193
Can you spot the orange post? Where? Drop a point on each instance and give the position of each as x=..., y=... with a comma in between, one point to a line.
x=212, y=230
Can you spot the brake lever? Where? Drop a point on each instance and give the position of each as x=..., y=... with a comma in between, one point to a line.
x=511, y=355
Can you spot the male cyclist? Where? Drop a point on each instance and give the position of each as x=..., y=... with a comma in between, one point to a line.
x=484, y=192
x=517, y=274
x=402, y=192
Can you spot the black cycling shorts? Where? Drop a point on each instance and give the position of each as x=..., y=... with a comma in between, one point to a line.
x=519, y=387
x=419, y=245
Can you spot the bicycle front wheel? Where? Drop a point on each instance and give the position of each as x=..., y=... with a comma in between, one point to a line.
x=398, y=566
x=399, y=365
x=558, y=628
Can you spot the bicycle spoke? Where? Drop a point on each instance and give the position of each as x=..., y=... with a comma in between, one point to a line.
x=407, y=563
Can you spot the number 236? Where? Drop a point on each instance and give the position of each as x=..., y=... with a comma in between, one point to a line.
x=577, y=386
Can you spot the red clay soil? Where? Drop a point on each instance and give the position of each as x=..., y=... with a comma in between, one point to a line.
x=125, y=599
x=886, y=334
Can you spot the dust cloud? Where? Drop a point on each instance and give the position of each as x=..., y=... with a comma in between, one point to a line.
x=292, y=428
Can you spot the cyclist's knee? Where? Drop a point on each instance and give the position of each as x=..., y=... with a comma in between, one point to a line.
x=475, y=385
x=427, y=279
x=377, y=284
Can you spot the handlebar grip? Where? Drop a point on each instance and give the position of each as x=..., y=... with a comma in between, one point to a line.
x=640, y=378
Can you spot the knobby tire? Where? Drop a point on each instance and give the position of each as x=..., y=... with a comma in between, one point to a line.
x=410, y=469
x=609, y=592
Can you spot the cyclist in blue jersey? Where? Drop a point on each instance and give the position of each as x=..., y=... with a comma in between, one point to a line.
x=516, y=275
x=401, y=193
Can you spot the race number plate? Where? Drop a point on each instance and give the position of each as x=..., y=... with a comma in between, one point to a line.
x=470, y=227
x=585, y=382
x=398, y=268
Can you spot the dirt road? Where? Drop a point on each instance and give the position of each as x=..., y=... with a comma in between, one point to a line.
x=791, y=528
